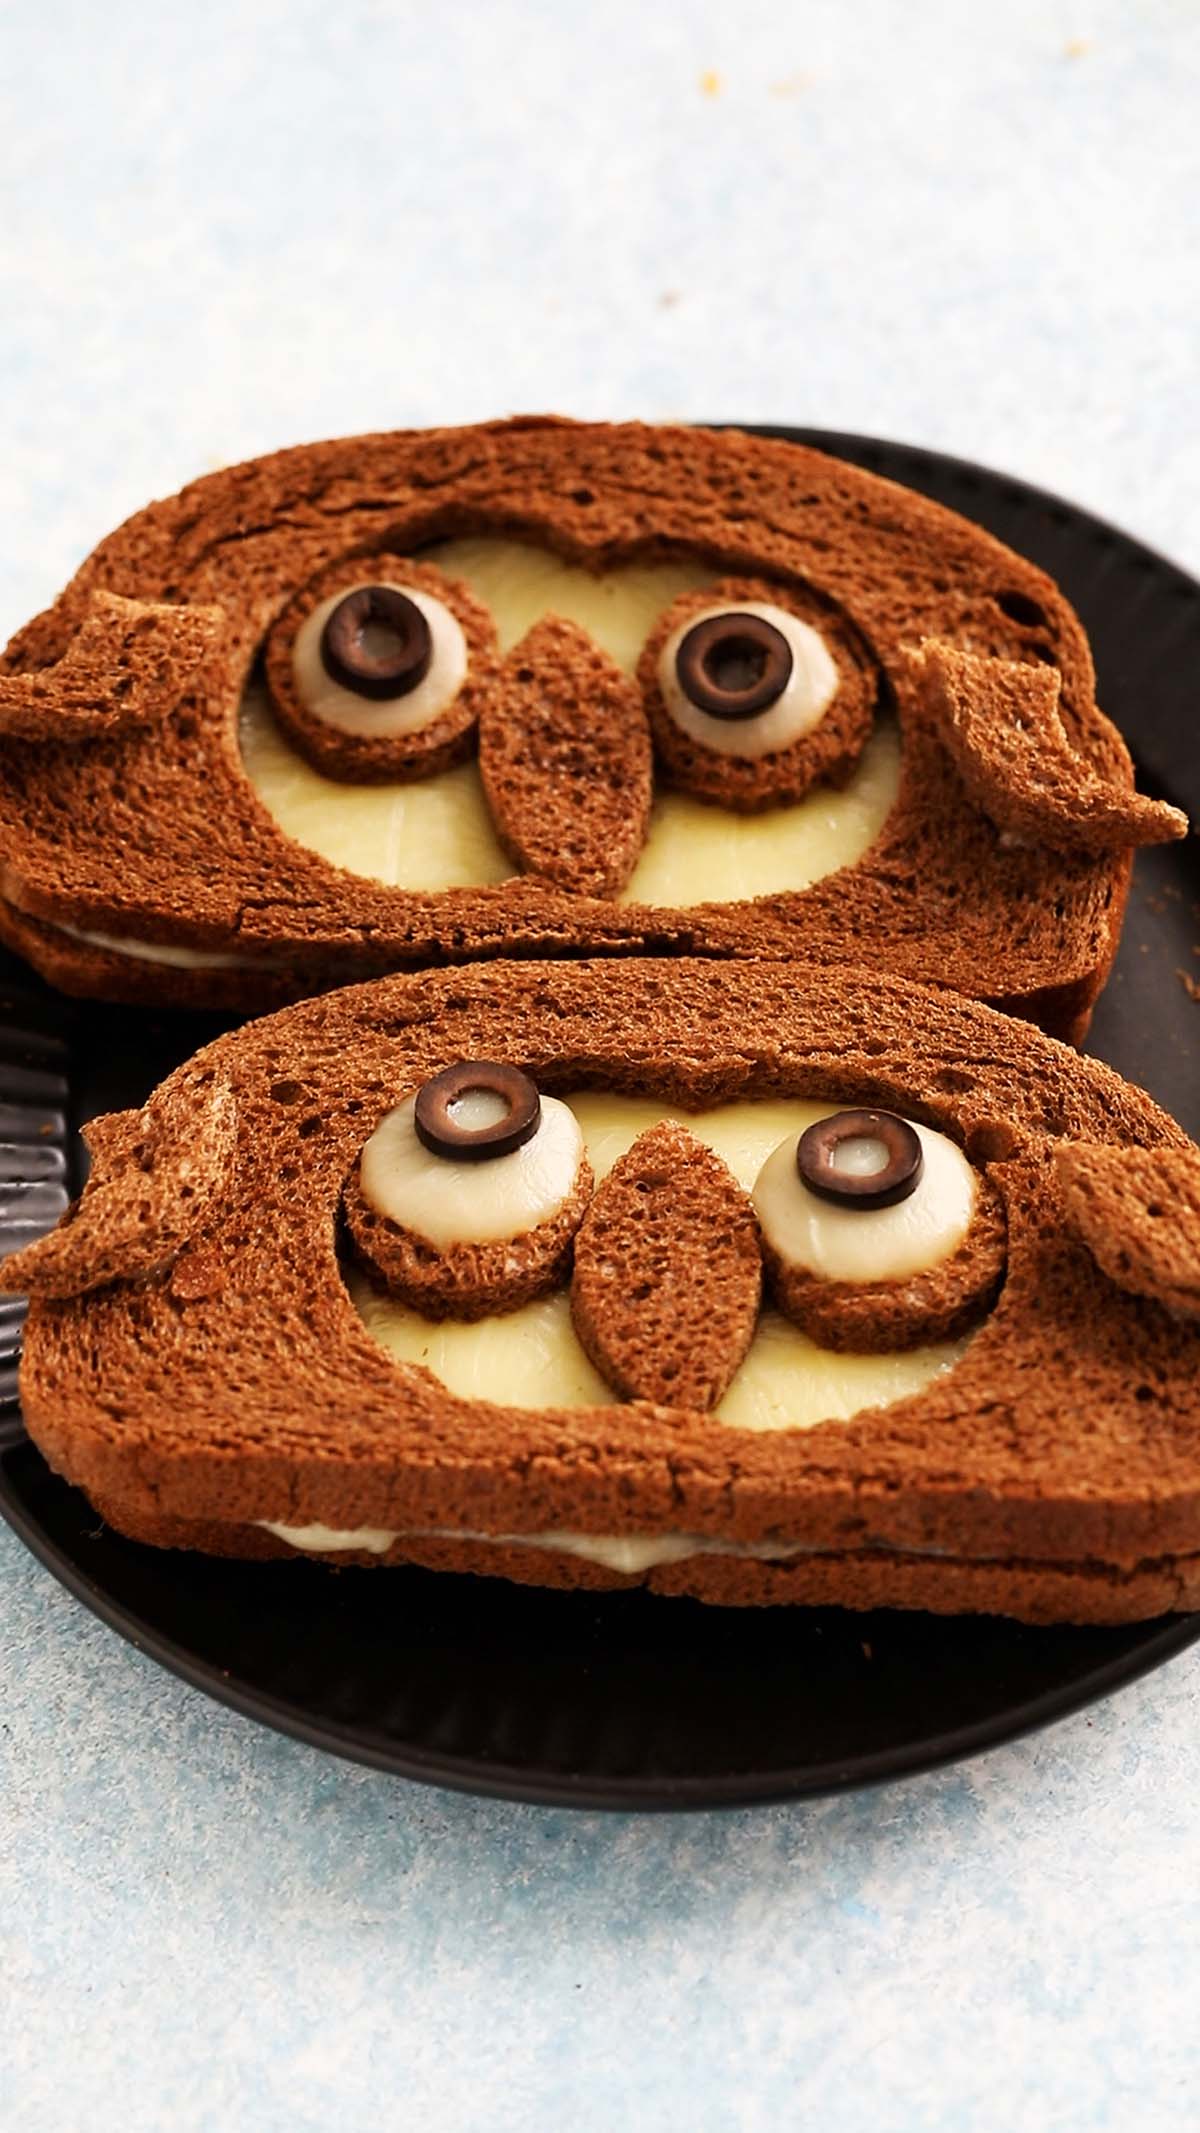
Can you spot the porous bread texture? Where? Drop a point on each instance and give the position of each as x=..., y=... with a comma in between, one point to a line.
x=1139, y=1218
x=128, y=664
x=827, y=754
x=155, y=1175
x=565, y=759
x=464, y=1280
x=1063, y=1447
x=366, y=758
x=156, y=833
x=877, y=1316
x=668, y=1272
x=1001, y=725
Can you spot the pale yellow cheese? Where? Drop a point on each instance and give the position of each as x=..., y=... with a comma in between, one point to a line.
x=437, y=833
x=531, y=1357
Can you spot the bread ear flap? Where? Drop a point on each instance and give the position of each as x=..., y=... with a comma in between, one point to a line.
x=998, y=720
x=128, y=664
x=155, y=1174
x=1137, y=1210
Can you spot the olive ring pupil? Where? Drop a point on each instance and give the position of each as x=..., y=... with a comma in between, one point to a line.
x=733, y=665
x=893, y=1180
x=439, y=1131
x=385, y=669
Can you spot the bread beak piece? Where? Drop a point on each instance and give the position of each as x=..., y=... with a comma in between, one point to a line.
x=999, y=721
x=155, y=1176
x=668, y=1272
x=1138, y=1212
x=564, y=753
x=130, y=663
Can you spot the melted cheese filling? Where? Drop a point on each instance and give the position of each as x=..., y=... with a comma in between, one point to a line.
x=531, y=1357
x=628, y=1553
x=437, y=833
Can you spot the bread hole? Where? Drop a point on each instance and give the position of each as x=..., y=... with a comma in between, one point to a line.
x=525, y=674
x=582, y=496
x=286, y=1092
x=1020, y=608
x=1043, y=652
x=1154, y=1209
x=1143, y=1393
x=310, y=1125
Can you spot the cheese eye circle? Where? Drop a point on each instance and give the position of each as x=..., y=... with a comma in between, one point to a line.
x=746, y=680
x=446, y=1194
x=379, y=660
x=831, y=1234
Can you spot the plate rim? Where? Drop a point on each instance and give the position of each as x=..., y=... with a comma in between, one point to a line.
x=1161, y=1640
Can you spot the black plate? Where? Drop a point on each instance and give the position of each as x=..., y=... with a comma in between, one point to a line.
x=625, y=1700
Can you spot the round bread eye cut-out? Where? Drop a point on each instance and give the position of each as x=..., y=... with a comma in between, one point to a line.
x=477, y=1110
x=733, y=665
x=377, y=643
x=861, y=1158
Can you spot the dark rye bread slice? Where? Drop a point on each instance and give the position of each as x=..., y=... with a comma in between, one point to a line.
x=152, y=834
x=1054, y=1471
x=862, y=1580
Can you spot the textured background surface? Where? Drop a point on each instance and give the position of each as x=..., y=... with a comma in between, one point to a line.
x=230, y=228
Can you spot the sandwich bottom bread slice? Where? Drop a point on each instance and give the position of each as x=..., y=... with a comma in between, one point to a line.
x=762, y=1284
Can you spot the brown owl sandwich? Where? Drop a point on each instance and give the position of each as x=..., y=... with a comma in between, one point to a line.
x=539, y=689
x=764, y=1284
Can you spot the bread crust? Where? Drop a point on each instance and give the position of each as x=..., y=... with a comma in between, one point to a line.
x=238, y=1384
x=154, y=833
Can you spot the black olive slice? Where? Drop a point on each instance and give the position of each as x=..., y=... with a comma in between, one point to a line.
x=437, y=1129
x=399, y=657
x=895, y=1179
x=733, y=665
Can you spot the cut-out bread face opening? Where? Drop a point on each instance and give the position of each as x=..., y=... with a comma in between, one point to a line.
x=413, y=810
x=529, y=1353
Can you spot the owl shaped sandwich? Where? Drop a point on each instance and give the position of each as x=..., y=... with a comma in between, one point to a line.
x=535, y=689
x=759, y=1283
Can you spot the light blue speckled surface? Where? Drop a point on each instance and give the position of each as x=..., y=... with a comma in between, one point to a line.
x=229, y=228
